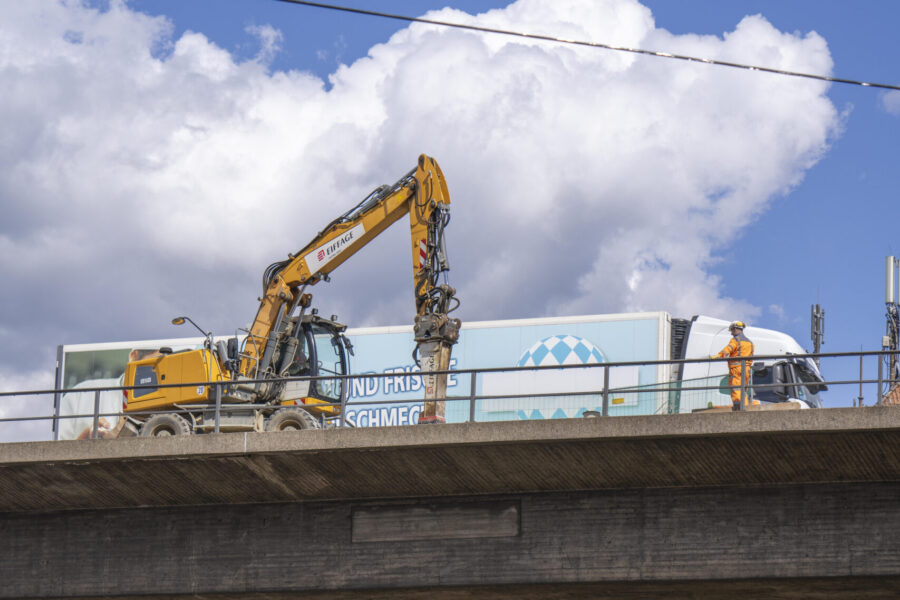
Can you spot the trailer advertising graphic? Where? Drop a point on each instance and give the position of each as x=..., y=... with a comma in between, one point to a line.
x=526, y=394
x=389, y=390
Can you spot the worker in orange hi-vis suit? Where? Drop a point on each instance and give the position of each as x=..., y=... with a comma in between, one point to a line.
x=738, y=346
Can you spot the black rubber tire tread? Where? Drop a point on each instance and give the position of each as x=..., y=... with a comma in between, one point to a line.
x=291, y=419
x=165, y=424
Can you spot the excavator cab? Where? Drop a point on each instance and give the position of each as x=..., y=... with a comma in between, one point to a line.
x=320, y=357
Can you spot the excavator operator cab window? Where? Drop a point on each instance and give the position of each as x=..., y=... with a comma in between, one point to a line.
x=329, y=360
x=300, y=365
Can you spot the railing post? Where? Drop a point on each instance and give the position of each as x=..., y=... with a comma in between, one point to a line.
x=472, y=383
x=880, y=378
x=745, y=401
x=892, y=371
x=344, y=401
x=57, y=397
x=860, y=399
x=218, y=405
x=96, y=426
x=605, y=390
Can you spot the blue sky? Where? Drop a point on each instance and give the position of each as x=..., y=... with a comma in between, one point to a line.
x=584, y=181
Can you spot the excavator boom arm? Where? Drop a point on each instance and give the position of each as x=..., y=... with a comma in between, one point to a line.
x=422, y=193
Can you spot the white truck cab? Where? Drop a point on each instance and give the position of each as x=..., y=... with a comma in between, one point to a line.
x=792, y=379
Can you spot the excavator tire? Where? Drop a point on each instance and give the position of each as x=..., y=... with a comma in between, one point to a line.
x=291, y=419
x=164, y=425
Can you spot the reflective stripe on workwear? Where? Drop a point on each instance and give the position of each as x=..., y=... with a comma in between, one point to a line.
x=738, y=346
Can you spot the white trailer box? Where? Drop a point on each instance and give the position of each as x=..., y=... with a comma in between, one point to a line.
x=555, y=341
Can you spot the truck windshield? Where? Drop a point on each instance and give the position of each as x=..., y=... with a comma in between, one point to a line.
x=766, y=377
x=329, y=357
x=780, y=376
x=813, y=384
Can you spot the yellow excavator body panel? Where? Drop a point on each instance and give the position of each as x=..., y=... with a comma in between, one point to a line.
x=177, y=368
x=314, y=405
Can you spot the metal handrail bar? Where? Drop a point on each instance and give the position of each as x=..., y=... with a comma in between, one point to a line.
x=652, y=388
x=755, y=358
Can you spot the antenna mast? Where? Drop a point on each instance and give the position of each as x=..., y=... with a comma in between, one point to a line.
x=817, y=328
x=891, y=339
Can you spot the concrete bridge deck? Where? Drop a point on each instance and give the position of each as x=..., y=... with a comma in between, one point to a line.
x=789, y=447
x=781, y=504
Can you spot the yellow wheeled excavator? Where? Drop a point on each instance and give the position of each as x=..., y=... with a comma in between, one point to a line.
x=286, y=372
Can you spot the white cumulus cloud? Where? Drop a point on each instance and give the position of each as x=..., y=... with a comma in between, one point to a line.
x=891, y=102
x=36, y=408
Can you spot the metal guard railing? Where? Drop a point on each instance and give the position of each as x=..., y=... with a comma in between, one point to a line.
x=608, y=396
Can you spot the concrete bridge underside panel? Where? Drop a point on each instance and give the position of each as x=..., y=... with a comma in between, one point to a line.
x=785, y=541
x=699, y=450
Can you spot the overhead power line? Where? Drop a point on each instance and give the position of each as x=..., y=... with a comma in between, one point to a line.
x=548, y=38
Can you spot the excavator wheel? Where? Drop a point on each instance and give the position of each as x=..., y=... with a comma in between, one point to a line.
x=291, y=419
x=164, y=425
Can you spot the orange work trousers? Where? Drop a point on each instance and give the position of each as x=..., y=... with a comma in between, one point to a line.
x=735, y=383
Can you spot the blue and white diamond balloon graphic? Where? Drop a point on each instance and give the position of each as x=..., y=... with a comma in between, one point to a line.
x=561, y=350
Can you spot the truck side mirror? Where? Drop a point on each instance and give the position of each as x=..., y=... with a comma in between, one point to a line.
x=778, y=377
